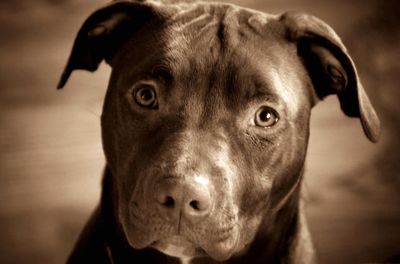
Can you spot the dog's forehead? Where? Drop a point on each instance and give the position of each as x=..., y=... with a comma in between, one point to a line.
x=200, y=24
x=196, y=17
x=230, y=43
x=204, y=34
x=210, y=35
x=218, y=48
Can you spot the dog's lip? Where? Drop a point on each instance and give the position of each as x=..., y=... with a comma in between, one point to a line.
x=224, y=246
x=218, y=243
x=137, y=219
x=178, y=246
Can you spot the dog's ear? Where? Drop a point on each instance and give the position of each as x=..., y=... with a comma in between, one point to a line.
x=103, y=32
x=330, y=67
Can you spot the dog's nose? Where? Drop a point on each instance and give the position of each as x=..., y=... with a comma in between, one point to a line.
x=177, y=198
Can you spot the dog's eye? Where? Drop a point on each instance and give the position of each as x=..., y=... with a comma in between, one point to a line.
x=145, y=95
x=266, y=117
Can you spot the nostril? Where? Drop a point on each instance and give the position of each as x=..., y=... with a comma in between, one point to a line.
x=168, y=202
x=199, y=206
x=166, y=198
x=194, y=205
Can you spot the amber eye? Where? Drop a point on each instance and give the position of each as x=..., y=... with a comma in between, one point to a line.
x=266, y=117
x=145, y=95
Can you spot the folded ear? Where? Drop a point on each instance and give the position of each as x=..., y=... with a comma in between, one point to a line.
x=102, y=33
x=330, y=67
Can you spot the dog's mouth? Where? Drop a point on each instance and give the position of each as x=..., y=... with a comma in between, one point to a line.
x=179, y=247
x=218, y=243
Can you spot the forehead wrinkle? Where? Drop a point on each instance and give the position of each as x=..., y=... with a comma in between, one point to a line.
x=196, y=24
x=195, y=19
x=187, y=12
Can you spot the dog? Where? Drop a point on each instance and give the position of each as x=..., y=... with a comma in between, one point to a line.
x=205, y=127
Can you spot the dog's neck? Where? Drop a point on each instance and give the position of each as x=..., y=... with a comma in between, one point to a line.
x=274, y=243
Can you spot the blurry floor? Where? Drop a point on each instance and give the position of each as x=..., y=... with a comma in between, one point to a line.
x=51, y=158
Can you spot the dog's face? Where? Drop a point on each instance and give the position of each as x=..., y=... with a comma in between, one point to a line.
x=200, y=109
x=205, y=122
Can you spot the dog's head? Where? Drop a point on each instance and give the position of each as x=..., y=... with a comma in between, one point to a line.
x=206, y=119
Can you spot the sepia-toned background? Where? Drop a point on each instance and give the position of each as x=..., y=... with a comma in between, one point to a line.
x=51, y=158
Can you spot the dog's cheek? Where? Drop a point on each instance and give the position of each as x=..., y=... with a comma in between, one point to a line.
x=120, y=135
x=265, y=165
x=289, y=164
x=251, y=188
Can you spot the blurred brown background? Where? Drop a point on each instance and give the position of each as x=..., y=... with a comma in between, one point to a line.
x=50, y=150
